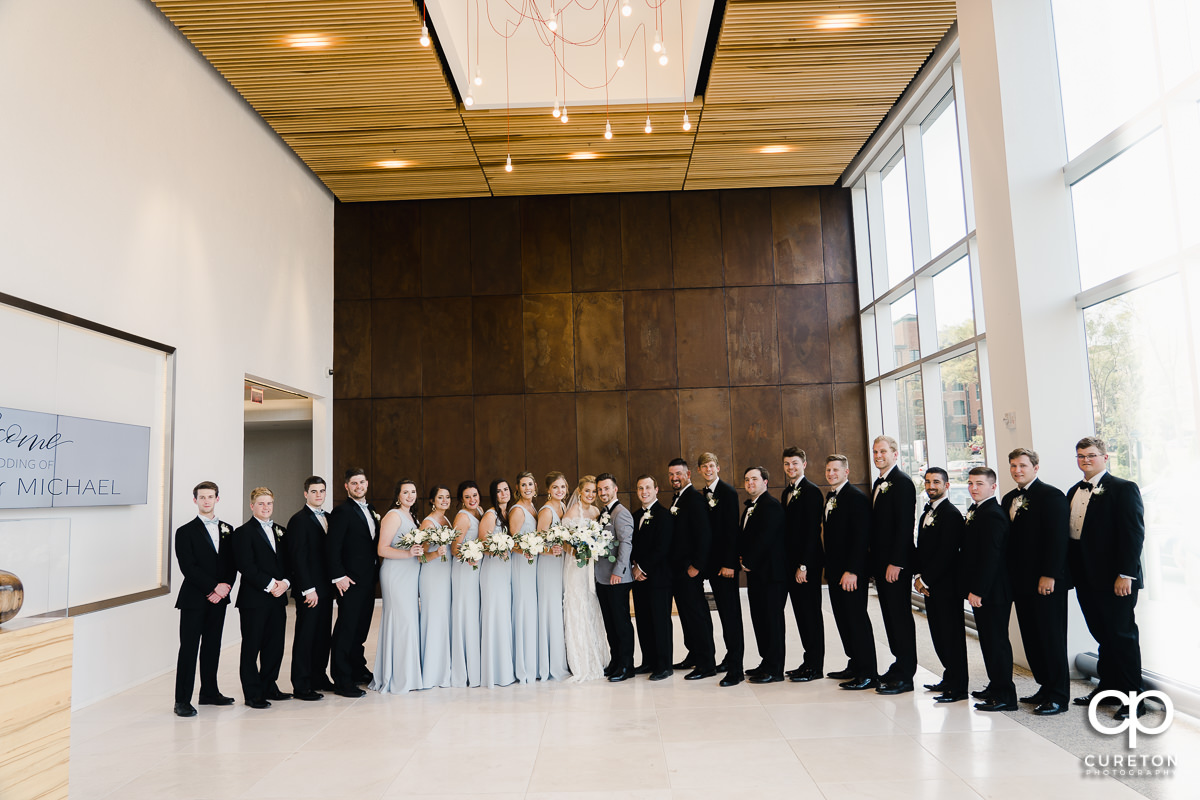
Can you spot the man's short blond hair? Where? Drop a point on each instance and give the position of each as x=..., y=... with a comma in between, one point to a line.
x=258, y=492
x=707, y=457
x=838, y=457
x=891, y=443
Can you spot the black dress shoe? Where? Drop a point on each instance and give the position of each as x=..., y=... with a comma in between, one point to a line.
x=619, y=675
x=364, y=677
x=278, y=695
x=184, y=710
x=731, y=679
x=858, y=684
x=995, y=705
x=1122, y=713
x=894, y=687
x=644, y=669
x=950, y=697
x=698, y=674
x=721, y=668
x=792, y=672
x=309, y=695
x=323, y=684
x=804, y=676
x=258, y=703
x=1034, y=699
x=660, y=676
x=215, y=700
x=766, y=677
x=940, y=686
x=1085, y=699
x=348, y=691
x=841, y=675
x=609, y=670
x=982, y=694
x=1049, y=709
x=687, y=663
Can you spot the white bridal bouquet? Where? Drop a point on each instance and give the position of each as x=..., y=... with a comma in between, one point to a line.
x=442, y=535
x=558, y=534
x=499, y=543
x=470, y=553
x=592, y=542
x=532, y=544
x=414, y=538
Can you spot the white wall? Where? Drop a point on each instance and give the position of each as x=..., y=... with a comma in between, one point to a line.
x=139, y=191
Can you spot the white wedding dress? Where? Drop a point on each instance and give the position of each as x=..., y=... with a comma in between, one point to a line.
x=583, y=627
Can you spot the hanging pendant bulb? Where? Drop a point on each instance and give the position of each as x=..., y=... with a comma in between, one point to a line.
x=648, y=128
x=478, y=77
x=607, y=130
x=508, y=164
x=469, y=100
x=657, y=42
x=620, y=62
x=552, y=24
x=424, y=36
x=564, y=115
x=662, y=59
x=687, y=123
x=556, y=112
x=626, y=9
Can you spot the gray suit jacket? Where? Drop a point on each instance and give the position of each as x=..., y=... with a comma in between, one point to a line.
x=621, y=524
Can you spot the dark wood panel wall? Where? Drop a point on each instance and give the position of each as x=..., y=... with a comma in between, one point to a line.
x=479, y=338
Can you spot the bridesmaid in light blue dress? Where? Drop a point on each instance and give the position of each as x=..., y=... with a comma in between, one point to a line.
x=495, y=590
x=552, y=645
x=398, y=656
x=522, y=519
x=435, y=599
x=464, y=602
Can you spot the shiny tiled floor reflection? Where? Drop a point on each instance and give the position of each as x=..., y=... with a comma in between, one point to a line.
x=650, y=741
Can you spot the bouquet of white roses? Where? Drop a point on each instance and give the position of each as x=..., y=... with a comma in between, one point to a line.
x=499, y=543
x=558, y=534
x=470, y=552
x=591, y=542
x=414, y=538
x=442, y=535
x=532, y=544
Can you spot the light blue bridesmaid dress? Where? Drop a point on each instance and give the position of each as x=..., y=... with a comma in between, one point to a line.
x=525, y=608
x=464, y=616
x=398, y=655
x=496, y=625
x=435, y=621
x=552, y=645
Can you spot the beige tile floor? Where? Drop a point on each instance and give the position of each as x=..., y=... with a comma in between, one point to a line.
x=637, y=740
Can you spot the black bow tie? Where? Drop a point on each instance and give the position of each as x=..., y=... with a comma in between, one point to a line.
x=708, y=490
x=832, y=494
x=749, y=504
x=877, y=482
x=1084, y=486
x=1021, y=491
x=928, y=508
x=973, y=507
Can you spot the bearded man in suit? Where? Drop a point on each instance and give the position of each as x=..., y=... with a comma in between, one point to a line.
x=352, y=555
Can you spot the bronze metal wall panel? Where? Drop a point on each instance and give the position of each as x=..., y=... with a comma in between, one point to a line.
x=653, y=434
x=808, y=424
x=497, y=345
x=845, y=332
x=445, y=250
x=603, y=435
x=803, y=334
x=696, y=239
x=756, y=418
x=397, y=356
x=746, y=237
x=351, y=348
x=646, y=241
x=352, y=223
x=753, y=339
x=396, y=250
x=547, y=322
x=447, y=441
x=551, y=436
x=499, y=438
x=650, y=355
x=595, y=242
x=796, y=229
x=396, y=444
x=704, y=426
x=446, y=346
x=850, y=428
x=545, y=245
x=351, y=441
x=495, y=233
x=837, y=235
x=599, y=341
x=700, y=337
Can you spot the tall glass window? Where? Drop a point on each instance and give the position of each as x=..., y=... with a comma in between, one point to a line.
x=943, y=177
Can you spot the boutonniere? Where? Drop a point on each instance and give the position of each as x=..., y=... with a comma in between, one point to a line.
x=375, y=514
x=928, y=521
x=830, y=504
x=1020, y=505
x=970, y=517
x=1099, y=490
x=646, y=517
x=278, y=532
x=796, y=492
x=674, y=511
x=712, y=501
x=750, y=510
x=605, y=517
x=225, y=528
x=883, y=487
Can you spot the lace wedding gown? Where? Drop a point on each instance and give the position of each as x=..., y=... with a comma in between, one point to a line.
x=587, y=649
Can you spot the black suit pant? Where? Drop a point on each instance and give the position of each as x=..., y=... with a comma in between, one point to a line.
x=895, y=603
x=614, y=609
x=1110, y=619
x=355, y=607
x=652, y=606
x=727, y=594
x=944, y=611
x=695, y=619
x=311, y=641
x=806, y=607
x=991, y=621
x=767, y=599
x=262, y=649
x=1043, y=621
x=200, y=632
x=854, y=627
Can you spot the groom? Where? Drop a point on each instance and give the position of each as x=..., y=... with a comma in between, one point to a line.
x=614, y=580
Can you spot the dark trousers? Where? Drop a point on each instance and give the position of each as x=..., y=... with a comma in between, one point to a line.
x=614, y=609
x=944, y=611
x=262, y=649
x=355, y=607
x=199, y=634
x=991, y=621
x=854, y=627
x=1043, y=621
x=652, y=605
x=310, y=643
x=1110, y=619
x=695, y=619
x=806, y=607
x=728, y=597
x=895, y=602
x=767, y=599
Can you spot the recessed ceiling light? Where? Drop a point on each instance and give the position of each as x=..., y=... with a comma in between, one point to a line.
x=583, y=156
x=392, y=164
x=838, y=22
x=307, y=41
x=775, y=148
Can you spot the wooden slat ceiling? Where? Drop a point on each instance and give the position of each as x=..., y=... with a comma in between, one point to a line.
x=777, y=79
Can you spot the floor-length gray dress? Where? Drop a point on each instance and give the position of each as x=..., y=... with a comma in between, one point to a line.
x=552, y=645
x=524, y=608
x=435, y=621
x=464, y=616
x=496, y=625
x=398, y=655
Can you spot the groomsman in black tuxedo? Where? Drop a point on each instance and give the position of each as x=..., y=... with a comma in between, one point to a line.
x=764, y=558
x=984, y=563
x=690, y=545
x=724, y=566
x=614, y=579
x=350, y=549
x=939, y=543
x=258, y=547
x=205, y=556
x=1037, y=569
x=802, y=505
x=847, y=526
x=312, y=592
x=1107, y=531
x=652, y=527
x=893, y=516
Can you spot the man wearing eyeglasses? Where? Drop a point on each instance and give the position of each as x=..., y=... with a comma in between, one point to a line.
x=1104, y=557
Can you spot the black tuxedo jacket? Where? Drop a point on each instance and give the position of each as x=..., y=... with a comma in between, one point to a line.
x=691, y=537
x=1113, y=532
x=803, y=527
x=892, y=517
x=723, y=521
x=1037, y=536
x=763, y=543
x=349, y=548
x=984, y=561
x=847, y=533
x=306, y=555
x=259, y=564
x=202, y=566
x=939, y=546
x=652, y=543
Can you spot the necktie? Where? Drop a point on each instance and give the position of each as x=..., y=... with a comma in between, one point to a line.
x=1085, y=486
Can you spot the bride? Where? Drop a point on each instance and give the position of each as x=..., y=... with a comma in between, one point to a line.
x=587, y=649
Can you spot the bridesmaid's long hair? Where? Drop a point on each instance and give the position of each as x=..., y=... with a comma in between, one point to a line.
x=400, y=484
x=433, y=493
x=493, y=493
x=517, y=499
x=551, y=477
x=462, y=489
